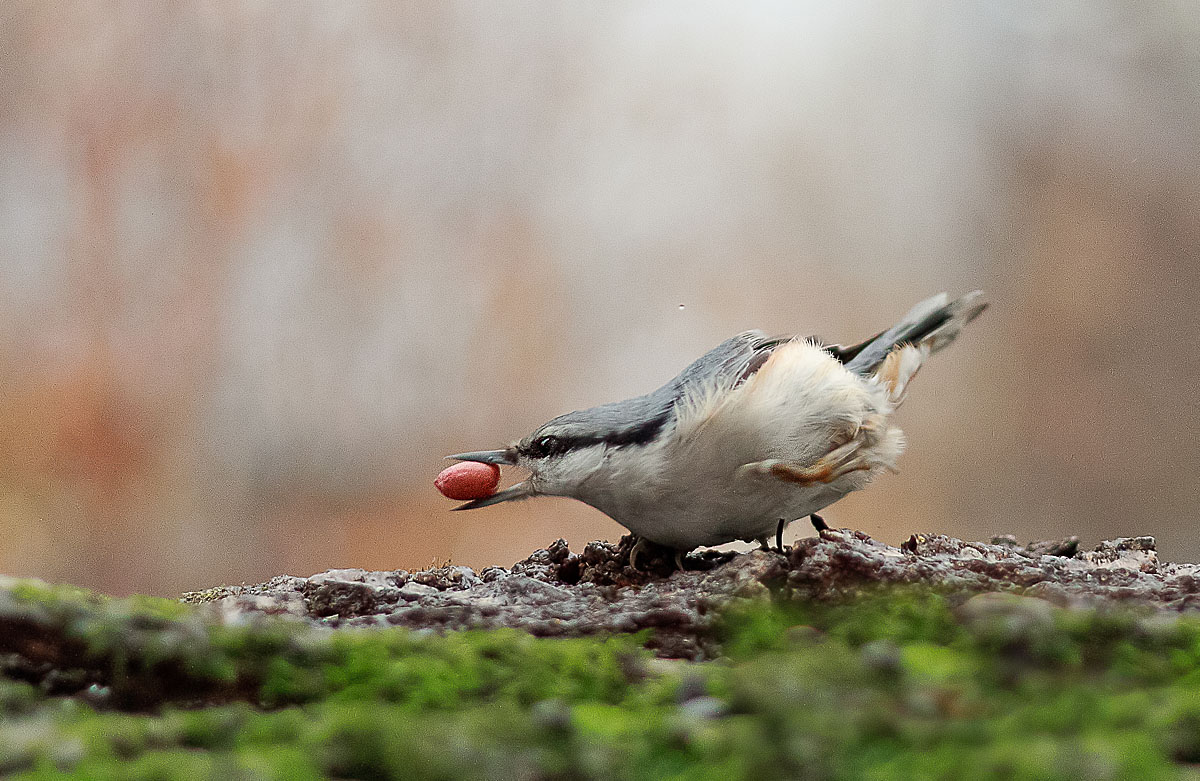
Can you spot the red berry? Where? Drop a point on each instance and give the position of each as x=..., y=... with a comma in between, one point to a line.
x=468, y=480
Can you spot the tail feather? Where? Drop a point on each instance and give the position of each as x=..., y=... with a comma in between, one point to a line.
x=930, y=325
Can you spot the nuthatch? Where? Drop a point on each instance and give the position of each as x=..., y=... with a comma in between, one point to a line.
x=756, y=433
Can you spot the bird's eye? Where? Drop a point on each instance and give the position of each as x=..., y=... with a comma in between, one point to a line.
x=545, y=446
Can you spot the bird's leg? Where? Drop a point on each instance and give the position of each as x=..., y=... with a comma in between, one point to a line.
x=818, y=523
x=679, y=560
x=779, y=535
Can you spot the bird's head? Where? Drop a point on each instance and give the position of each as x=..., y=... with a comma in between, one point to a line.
x=565, y=453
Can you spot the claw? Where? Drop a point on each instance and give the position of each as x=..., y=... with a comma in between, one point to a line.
x=638, y=547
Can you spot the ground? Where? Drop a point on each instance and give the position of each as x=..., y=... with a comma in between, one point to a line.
x=843, y=658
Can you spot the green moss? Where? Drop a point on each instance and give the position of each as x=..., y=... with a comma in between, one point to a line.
x=899, y=684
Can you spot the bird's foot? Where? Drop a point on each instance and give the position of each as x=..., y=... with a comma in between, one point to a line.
x=644, y=548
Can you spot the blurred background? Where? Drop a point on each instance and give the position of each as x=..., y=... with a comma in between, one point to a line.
x=262, y=265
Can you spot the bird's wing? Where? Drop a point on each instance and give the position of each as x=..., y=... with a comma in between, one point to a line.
x=728, y=364
x=639, y=419
x=740, y=357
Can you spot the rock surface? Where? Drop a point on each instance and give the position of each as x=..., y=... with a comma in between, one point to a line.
x=557, y=593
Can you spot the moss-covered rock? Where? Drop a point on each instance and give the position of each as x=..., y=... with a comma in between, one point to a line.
x=879, y=682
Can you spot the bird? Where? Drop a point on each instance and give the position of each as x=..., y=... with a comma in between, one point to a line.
x=758, y=432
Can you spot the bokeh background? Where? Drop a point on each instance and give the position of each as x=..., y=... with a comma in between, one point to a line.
x=263, y=264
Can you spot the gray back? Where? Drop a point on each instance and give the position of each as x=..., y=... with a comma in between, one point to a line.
x=640, y=418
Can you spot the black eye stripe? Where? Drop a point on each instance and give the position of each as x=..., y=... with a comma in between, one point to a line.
x=641, y=434
x=549, y=445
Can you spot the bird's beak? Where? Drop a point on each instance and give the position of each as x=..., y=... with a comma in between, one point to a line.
x=506, y=456
x=518, y=491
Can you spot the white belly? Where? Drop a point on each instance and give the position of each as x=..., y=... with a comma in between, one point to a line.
x=715, y=518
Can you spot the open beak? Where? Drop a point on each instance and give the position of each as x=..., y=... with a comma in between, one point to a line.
x=518, y=491
x=506, y=457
